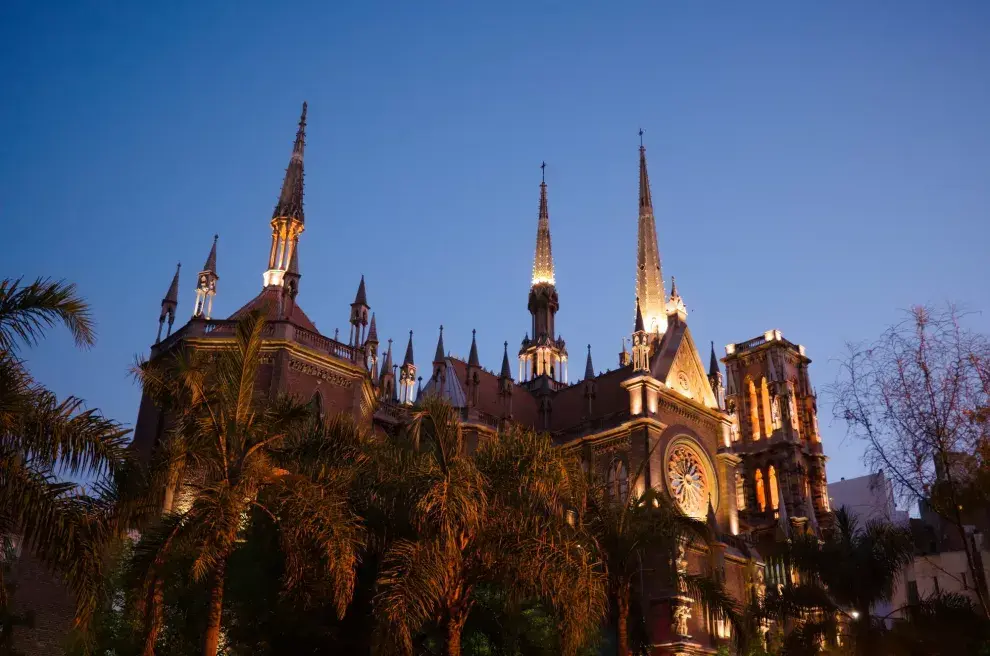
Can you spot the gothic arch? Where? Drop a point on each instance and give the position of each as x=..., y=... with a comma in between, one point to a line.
x=754, y=408
x=765, y=403
x=617, y=480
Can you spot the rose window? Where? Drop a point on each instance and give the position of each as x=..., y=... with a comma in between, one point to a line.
x=688, y=481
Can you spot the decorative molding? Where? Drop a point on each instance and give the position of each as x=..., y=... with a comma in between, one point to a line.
x=319, y=372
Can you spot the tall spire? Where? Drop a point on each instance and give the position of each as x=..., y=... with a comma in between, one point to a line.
x=211, y=259
x=473, y=357
x=290, y=201
x=543, y=261
x=287, y=219
x=440, y=356
x=172, y=296
x=649, y=276
x=409, y=352
x=506, y=370
x=589, y=369
x=713, y=369
x=169, y=304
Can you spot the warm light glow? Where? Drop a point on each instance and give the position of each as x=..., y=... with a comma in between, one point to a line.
x=761, y=498
x=754, y=412
x=774, y=493
x=543, y=278
x=273, y=277
x=767, y=412
x=730, y=349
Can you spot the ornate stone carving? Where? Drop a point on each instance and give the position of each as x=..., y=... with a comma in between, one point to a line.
x=319, y=372
x=688, y=480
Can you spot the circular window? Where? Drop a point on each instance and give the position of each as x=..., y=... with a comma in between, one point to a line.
x=690, y=479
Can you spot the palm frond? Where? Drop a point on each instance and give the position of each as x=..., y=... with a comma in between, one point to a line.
x=27, y=311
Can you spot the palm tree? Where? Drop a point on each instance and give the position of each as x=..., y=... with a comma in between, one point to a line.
x=232, y=453
x=842, y=579
x=497, y=517
x=44, y=441
x=633, y=528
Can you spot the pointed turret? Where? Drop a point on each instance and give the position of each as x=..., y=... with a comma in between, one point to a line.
x=543, y=260
x=288, y=221
x=372, y=332
x=473, y=356
x=675, y=306
x=439, y=355
x=169, y=304
x=640, y=343
x=649, y=276
x=624, y=358
x=359, y=314
x=407, y=375
x=206, y=284
x=371, y=349
x=386, y=382
x=715, y=380
x=589, y=369
x=290, y=200
x=506, y=369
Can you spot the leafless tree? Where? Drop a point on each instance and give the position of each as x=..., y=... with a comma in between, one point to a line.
x=919, y=396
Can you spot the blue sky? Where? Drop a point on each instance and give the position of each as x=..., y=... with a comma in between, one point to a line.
x=816, y=166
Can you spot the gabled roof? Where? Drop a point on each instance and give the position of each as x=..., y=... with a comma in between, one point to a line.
x=677, y=355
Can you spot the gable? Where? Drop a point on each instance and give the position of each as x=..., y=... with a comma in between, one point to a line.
x=686, y=374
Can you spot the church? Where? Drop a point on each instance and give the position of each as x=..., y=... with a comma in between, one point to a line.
x=739, y=449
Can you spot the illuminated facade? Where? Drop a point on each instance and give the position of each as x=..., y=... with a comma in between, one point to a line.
x=740, y=451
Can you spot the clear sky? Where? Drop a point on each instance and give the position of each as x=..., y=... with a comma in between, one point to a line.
x=815, y=166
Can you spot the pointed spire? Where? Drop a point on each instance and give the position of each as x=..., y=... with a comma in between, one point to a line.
x=640, y=327
x=589, y=369
x=543, y=261
x=372, y=331
x=439, y=356
x=649, y=276
x=172, y=296
x=506, y=369
x=473, y=356
x=361, y=298
x=713, y=369
x=409, y=353
x=290, y=201
x=387, y=364
x=675, y=305
x=211, y=259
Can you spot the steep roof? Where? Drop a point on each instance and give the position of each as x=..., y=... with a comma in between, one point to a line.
x=268, y=302
x=450, y=389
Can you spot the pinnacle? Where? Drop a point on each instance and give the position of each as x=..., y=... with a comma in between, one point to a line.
x=713, y=365
x=290, y=200
x=409, y=352
x=589, y=369
x=543, y=260
x=211, y=259
x=361, y=298
x=172, y=296
x=439, y=355
x=473, y=357
x=506, y=369
x=372, y=331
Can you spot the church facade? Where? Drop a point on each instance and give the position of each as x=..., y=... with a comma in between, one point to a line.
x=739, y=450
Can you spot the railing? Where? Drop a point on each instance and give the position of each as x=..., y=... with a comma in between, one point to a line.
x=277, y=329
x=392, y=410
x=327, y=345
x=753, y=343
x=480, y=417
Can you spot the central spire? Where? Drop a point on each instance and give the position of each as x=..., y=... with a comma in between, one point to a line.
x=288, y=221
x=649, y=276
x=290, y=201
x=543, y=261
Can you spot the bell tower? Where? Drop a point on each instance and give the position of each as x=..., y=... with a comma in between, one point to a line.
x=544, y=355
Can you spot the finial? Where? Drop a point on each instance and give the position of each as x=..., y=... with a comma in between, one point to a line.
x=216, y=236
x=641, y=137
x=543, y=171
x=473, y=332
x=673, y=286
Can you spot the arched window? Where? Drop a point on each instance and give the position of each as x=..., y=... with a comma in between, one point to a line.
x=774, y=493
x=617, y=480
x=754, y=409
x=740, y=493
x=767, y=412
x=761, y=498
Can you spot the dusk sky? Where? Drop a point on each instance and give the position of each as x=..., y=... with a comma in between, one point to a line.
x=816, y=167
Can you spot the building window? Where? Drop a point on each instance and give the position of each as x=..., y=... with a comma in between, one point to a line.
x=774, y=494
x=767, y=412
x=754, y=409
x=761, y=499
x=617, y=480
